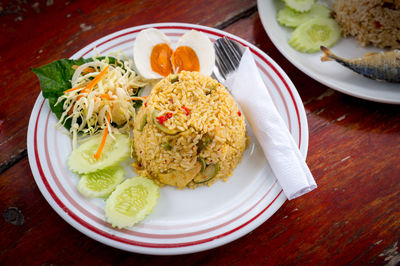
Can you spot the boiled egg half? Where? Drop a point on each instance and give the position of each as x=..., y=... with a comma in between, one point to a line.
x=156, y=56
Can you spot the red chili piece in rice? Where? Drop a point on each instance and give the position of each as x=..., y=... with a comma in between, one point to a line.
x=187, y=110
x=162, y=118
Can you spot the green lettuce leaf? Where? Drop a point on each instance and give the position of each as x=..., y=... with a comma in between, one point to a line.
x=55, y=78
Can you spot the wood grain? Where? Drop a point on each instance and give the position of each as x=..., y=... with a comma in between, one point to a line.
x=38, y=34
x=353, y=154
x=352, y=218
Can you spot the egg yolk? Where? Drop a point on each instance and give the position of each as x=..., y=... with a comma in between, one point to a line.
x=184, y=58
x=161, y=59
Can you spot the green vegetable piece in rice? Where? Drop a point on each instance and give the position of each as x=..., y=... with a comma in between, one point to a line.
x=212, y=88
x=203, y=163
x=143, y=122
x=207, y=174
x=167, y=146
x=174, y=79
x=162, y=127
x=203, y=143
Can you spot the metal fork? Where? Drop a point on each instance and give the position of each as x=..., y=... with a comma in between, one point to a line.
x=228, y=54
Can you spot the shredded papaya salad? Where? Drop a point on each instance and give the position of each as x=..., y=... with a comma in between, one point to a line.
x=102, y=98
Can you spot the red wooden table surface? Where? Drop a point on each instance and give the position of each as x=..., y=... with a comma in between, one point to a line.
x=353, y=217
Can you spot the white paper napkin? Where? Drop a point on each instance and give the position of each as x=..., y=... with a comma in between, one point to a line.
x=280, y=149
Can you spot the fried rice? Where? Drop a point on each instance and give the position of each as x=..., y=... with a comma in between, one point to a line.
x=375, y=22
x=188, y=132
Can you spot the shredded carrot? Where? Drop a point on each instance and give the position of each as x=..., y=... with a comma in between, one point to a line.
x=103, y=140
x=71, y=110
x=97, y=78
x=105, y=96
x=138, y=98
x=88, y=70
x=85, y=90
x=72, y=89
x=80, y=96
x=92, y=83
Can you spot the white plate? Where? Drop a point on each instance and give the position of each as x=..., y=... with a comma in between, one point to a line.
x=330, y=74
x=184, y=221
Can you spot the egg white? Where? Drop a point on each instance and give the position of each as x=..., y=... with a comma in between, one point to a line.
x=203, y=48
x=145, y=41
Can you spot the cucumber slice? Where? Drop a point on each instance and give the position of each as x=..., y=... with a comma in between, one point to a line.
x=300, y=5
x=309, y=36
x=131, y=202
x=289, y=18
x=82, y=161
x=101, y=183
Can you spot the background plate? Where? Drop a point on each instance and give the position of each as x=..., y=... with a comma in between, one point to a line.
x=184, y=221
x=330, y=74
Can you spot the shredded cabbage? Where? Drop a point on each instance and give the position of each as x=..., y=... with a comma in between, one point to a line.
x=107, y=105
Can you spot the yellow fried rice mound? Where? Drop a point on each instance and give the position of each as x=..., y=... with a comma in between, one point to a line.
x=375, y=22
x=189, y=122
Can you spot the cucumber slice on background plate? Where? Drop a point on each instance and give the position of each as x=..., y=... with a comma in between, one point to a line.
x=101, y=183
x=82, y=161
x=131, y=202
x=300, y=5
x=289, y=18
x=309, y=36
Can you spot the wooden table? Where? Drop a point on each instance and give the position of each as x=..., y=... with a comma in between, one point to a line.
x=353, y=217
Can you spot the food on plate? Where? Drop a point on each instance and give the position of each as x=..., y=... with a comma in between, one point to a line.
x=290, y=18
x=156, y=56
x=115, y=149
x=300, y=5
x=313, y=28
x=189, y=120
x=101, y=183
x=309, y=36
x=375, y=22
x=91, y=95
x=131, y=202
x=379, y=66
x=188, y=132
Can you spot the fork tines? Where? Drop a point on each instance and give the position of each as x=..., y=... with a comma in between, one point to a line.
x=228, y=54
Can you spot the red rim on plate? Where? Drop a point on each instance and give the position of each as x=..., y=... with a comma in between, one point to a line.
x=243, y=216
